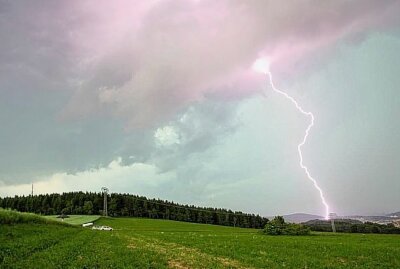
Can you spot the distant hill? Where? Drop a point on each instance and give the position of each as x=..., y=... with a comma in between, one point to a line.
x=328, y=222
x=384, y=219
x=394, y=214
x=301, y=217
x=351, y=226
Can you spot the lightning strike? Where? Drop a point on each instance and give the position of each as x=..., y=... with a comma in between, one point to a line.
x=261, y=65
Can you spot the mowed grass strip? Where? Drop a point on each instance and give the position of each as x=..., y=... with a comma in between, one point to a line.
x=75, y=219
x=158, y=225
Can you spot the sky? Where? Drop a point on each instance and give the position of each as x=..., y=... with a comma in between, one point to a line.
x=159, y=98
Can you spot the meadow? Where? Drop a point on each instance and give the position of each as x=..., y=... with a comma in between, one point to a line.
x=146, y=243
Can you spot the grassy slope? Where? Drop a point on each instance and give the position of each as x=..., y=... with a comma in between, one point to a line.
x=54, y=246
x=76, y=219
x=143, y=243
x=8, y=217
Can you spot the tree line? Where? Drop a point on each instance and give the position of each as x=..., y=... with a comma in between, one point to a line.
x=128, y=205
x=352, y=226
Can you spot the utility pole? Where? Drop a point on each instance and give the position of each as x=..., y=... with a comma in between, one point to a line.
x=105, y=192
x=31, y=207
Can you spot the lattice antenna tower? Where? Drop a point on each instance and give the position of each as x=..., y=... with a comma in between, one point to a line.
x=104, y=190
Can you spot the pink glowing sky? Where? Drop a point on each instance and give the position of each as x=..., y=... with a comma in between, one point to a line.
x=181, y=50
x=159, y=98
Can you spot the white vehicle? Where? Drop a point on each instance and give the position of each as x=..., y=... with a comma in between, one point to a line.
x=87, y=224
x=102, y=228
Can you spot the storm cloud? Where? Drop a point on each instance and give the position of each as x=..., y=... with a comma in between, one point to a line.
x=163, y=91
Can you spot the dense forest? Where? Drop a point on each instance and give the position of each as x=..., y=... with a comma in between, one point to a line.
x=128, y=205
x=352, y=226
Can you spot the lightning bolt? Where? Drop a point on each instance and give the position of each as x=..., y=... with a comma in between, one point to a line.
x=299, y=146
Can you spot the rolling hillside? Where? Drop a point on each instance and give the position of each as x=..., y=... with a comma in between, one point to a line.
x=300, y=217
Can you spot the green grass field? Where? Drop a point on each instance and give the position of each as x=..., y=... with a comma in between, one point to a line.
x=145, y=243
x=75, y=219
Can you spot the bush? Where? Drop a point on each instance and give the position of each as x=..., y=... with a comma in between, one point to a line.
x=297, y=229
x=278, y=226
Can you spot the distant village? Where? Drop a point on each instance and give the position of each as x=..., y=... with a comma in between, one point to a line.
x=387, y=219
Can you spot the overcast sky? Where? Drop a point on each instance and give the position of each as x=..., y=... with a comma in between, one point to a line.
x=158, y=98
